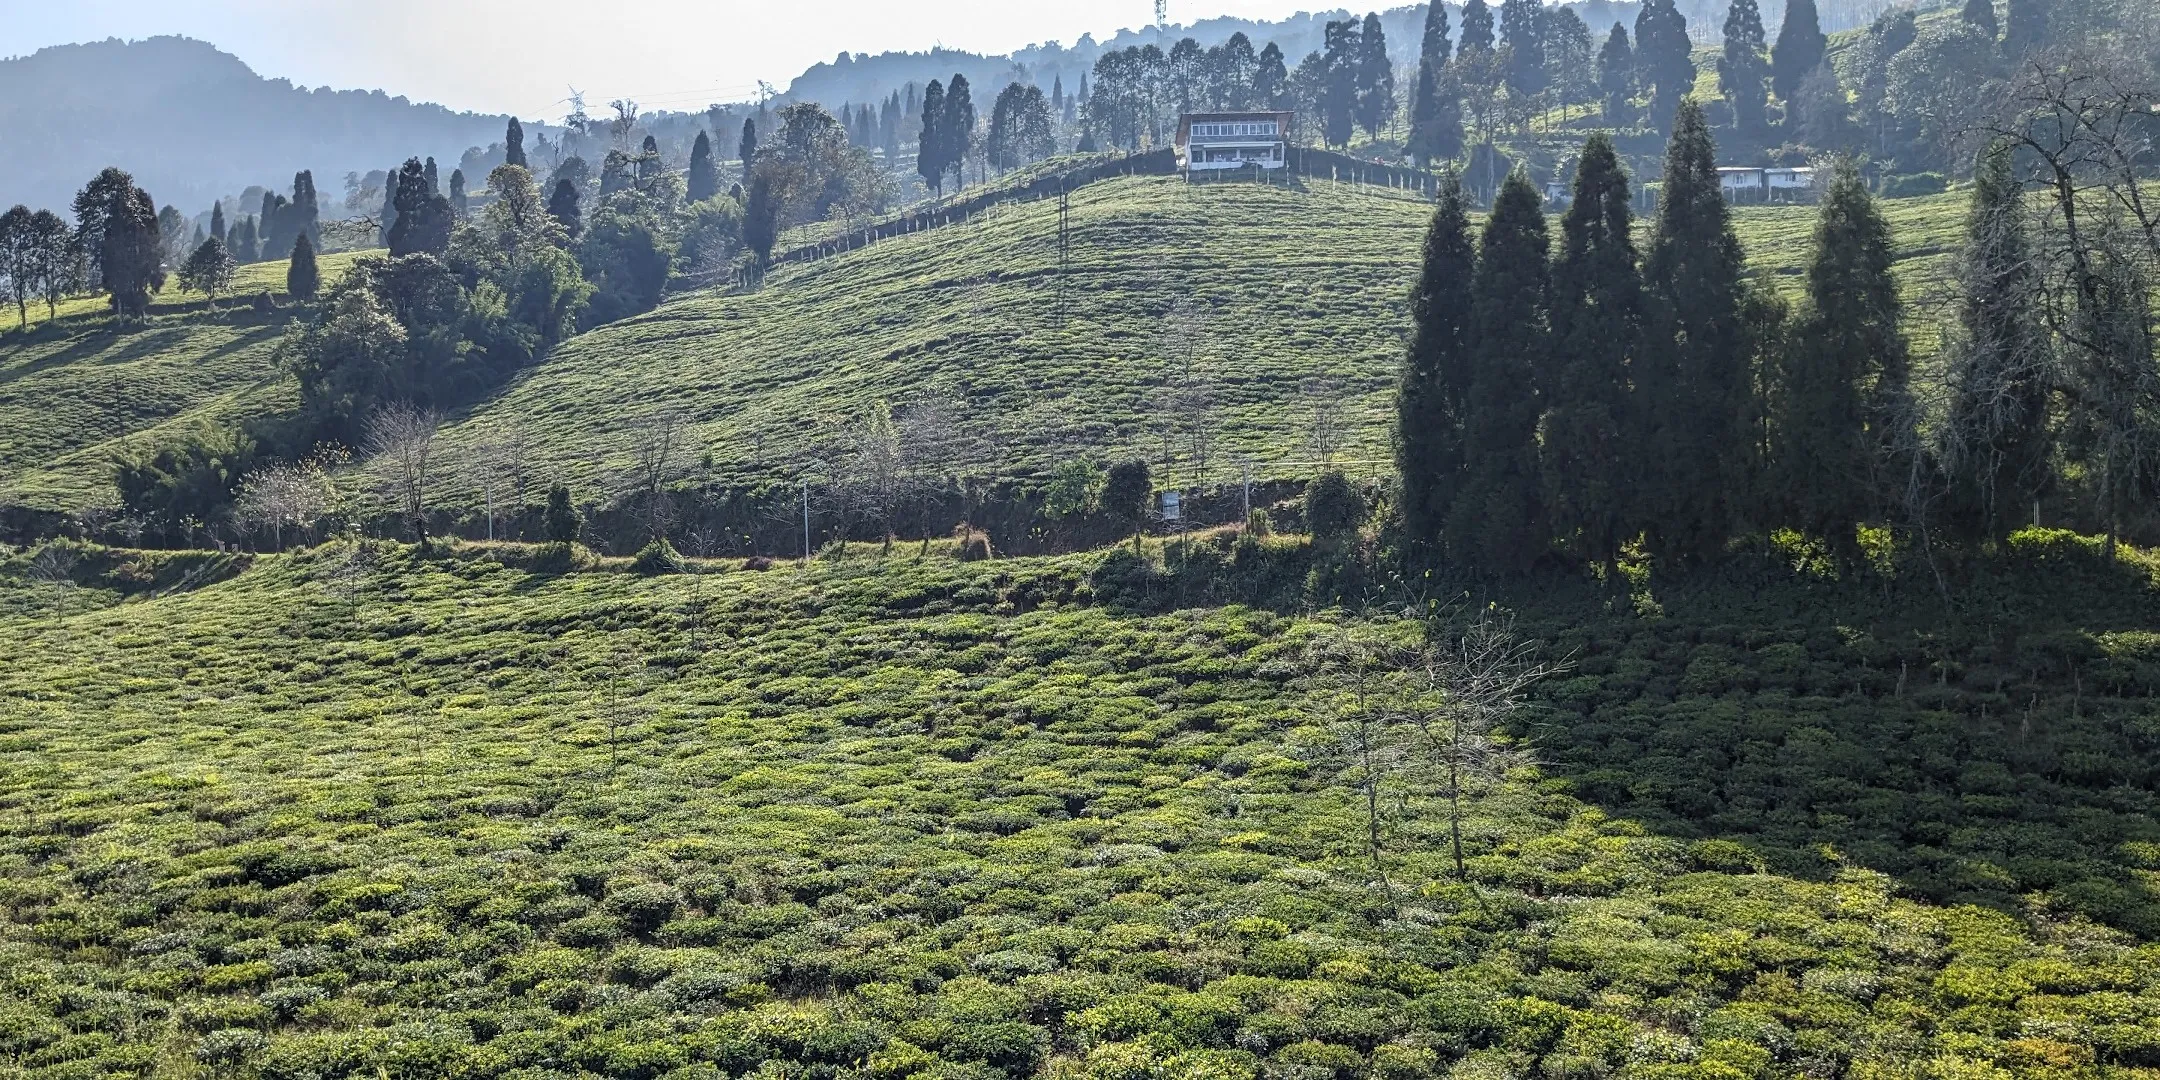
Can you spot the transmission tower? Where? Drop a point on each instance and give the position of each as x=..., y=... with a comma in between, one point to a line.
x=1064, y=246
x=1162, y=14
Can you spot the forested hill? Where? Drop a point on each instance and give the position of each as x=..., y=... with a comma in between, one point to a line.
x=194, y=124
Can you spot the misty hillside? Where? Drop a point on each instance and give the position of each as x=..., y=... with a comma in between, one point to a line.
x=193, y=124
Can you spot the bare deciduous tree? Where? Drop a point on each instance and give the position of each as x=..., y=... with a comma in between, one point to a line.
x=658, y=442
x=1326, y=428
x=401, y=441
x=297, y=495
x=497, y=462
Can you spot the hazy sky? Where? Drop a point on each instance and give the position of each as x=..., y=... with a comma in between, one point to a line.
x=521, y=56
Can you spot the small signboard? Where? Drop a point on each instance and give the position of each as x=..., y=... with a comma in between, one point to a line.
x=1171, y=511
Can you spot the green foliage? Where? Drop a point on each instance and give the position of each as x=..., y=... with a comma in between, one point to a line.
x=1126, y=492
x=658, y=557
x=561, y=521
x=424, y=220
x=209, y=270
x=186, y=485
x=1800, y=48
x=626, y=258
x=1334, y=508
x=1743, y=68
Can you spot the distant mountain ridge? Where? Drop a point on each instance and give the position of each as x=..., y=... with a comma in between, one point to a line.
x=194, y=124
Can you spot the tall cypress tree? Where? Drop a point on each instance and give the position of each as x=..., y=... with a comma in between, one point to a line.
x=1843, y=410
x=1436, y=131
x=302, y=278
x=930, y=147
x=423, y=222
x=1596, y=327
x=1616, y=76
x=514, y=144
x=746, y=147
x=1800, y=46
x=1435, y=384
x=1743, y=70
x=460, y=203
x=1521, y=36
x=217, y=220
x=1375, y=78
x=1477, y=27
x=1694, y=381
x=1993, y=444
x=1664, y=58
x=704, y=180
x=1338, y=91
x=306, y=207
x=958, y=128
x=1497, y=520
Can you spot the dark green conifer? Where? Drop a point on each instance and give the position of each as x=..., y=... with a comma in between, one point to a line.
x=563, y=207
x=514, y=144
x=1616, y=76
x=1664, y=58
x=1477, y=27
x=302, y=278
x=1800, y=46
x=1993, y=443
x=1375, y=78
x=423, y=217
x=217, y=221
x=1843, y=418
x=1435, y=382
x=1436, y=126
x=746, y=147
x=1743, y=70
x=930, y=145
x=1693, y=380
x=460, y=204
x=1497, y=520
x=1588, y=460
x=704, y=180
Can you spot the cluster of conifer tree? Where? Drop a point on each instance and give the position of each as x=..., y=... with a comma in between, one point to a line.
x=1581, y=402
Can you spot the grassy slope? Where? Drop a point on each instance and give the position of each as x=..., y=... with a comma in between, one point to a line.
x=1300, y=283
x=942, y=810
x=78, y=393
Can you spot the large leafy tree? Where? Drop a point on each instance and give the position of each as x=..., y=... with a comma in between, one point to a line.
x=209, y=270
x=1433, y=397
x=18, y=260
x=1694, y=378
x=119, y=226
x=1743, y=69
x=1588, y=459
x=1497, y=520
x=1844, y=421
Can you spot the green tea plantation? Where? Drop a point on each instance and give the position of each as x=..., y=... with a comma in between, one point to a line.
x=358, y=812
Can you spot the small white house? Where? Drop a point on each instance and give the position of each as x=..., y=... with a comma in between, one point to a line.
x=1741, y=185
x=1789, y=184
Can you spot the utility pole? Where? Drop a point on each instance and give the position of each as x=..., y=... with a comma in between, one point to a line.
x=806, y=522
x=1162, y=14
x=1245, y=468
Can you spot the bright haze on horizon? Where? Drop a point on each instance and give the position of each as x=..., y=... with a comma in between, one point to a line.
x=522, y=58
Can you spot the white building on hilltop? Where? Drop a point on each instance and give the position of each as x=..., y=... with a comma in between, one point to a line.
x=1215, y=142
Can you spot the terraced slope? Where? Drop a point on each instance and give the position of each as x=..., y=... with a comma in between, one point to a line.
x=81, y=391
x=353, y=814
x=1281, y=286
x=1264, y=288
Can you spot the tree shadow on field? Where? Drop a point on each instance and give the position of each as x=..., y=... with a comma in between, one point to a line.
x=2000, y=747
